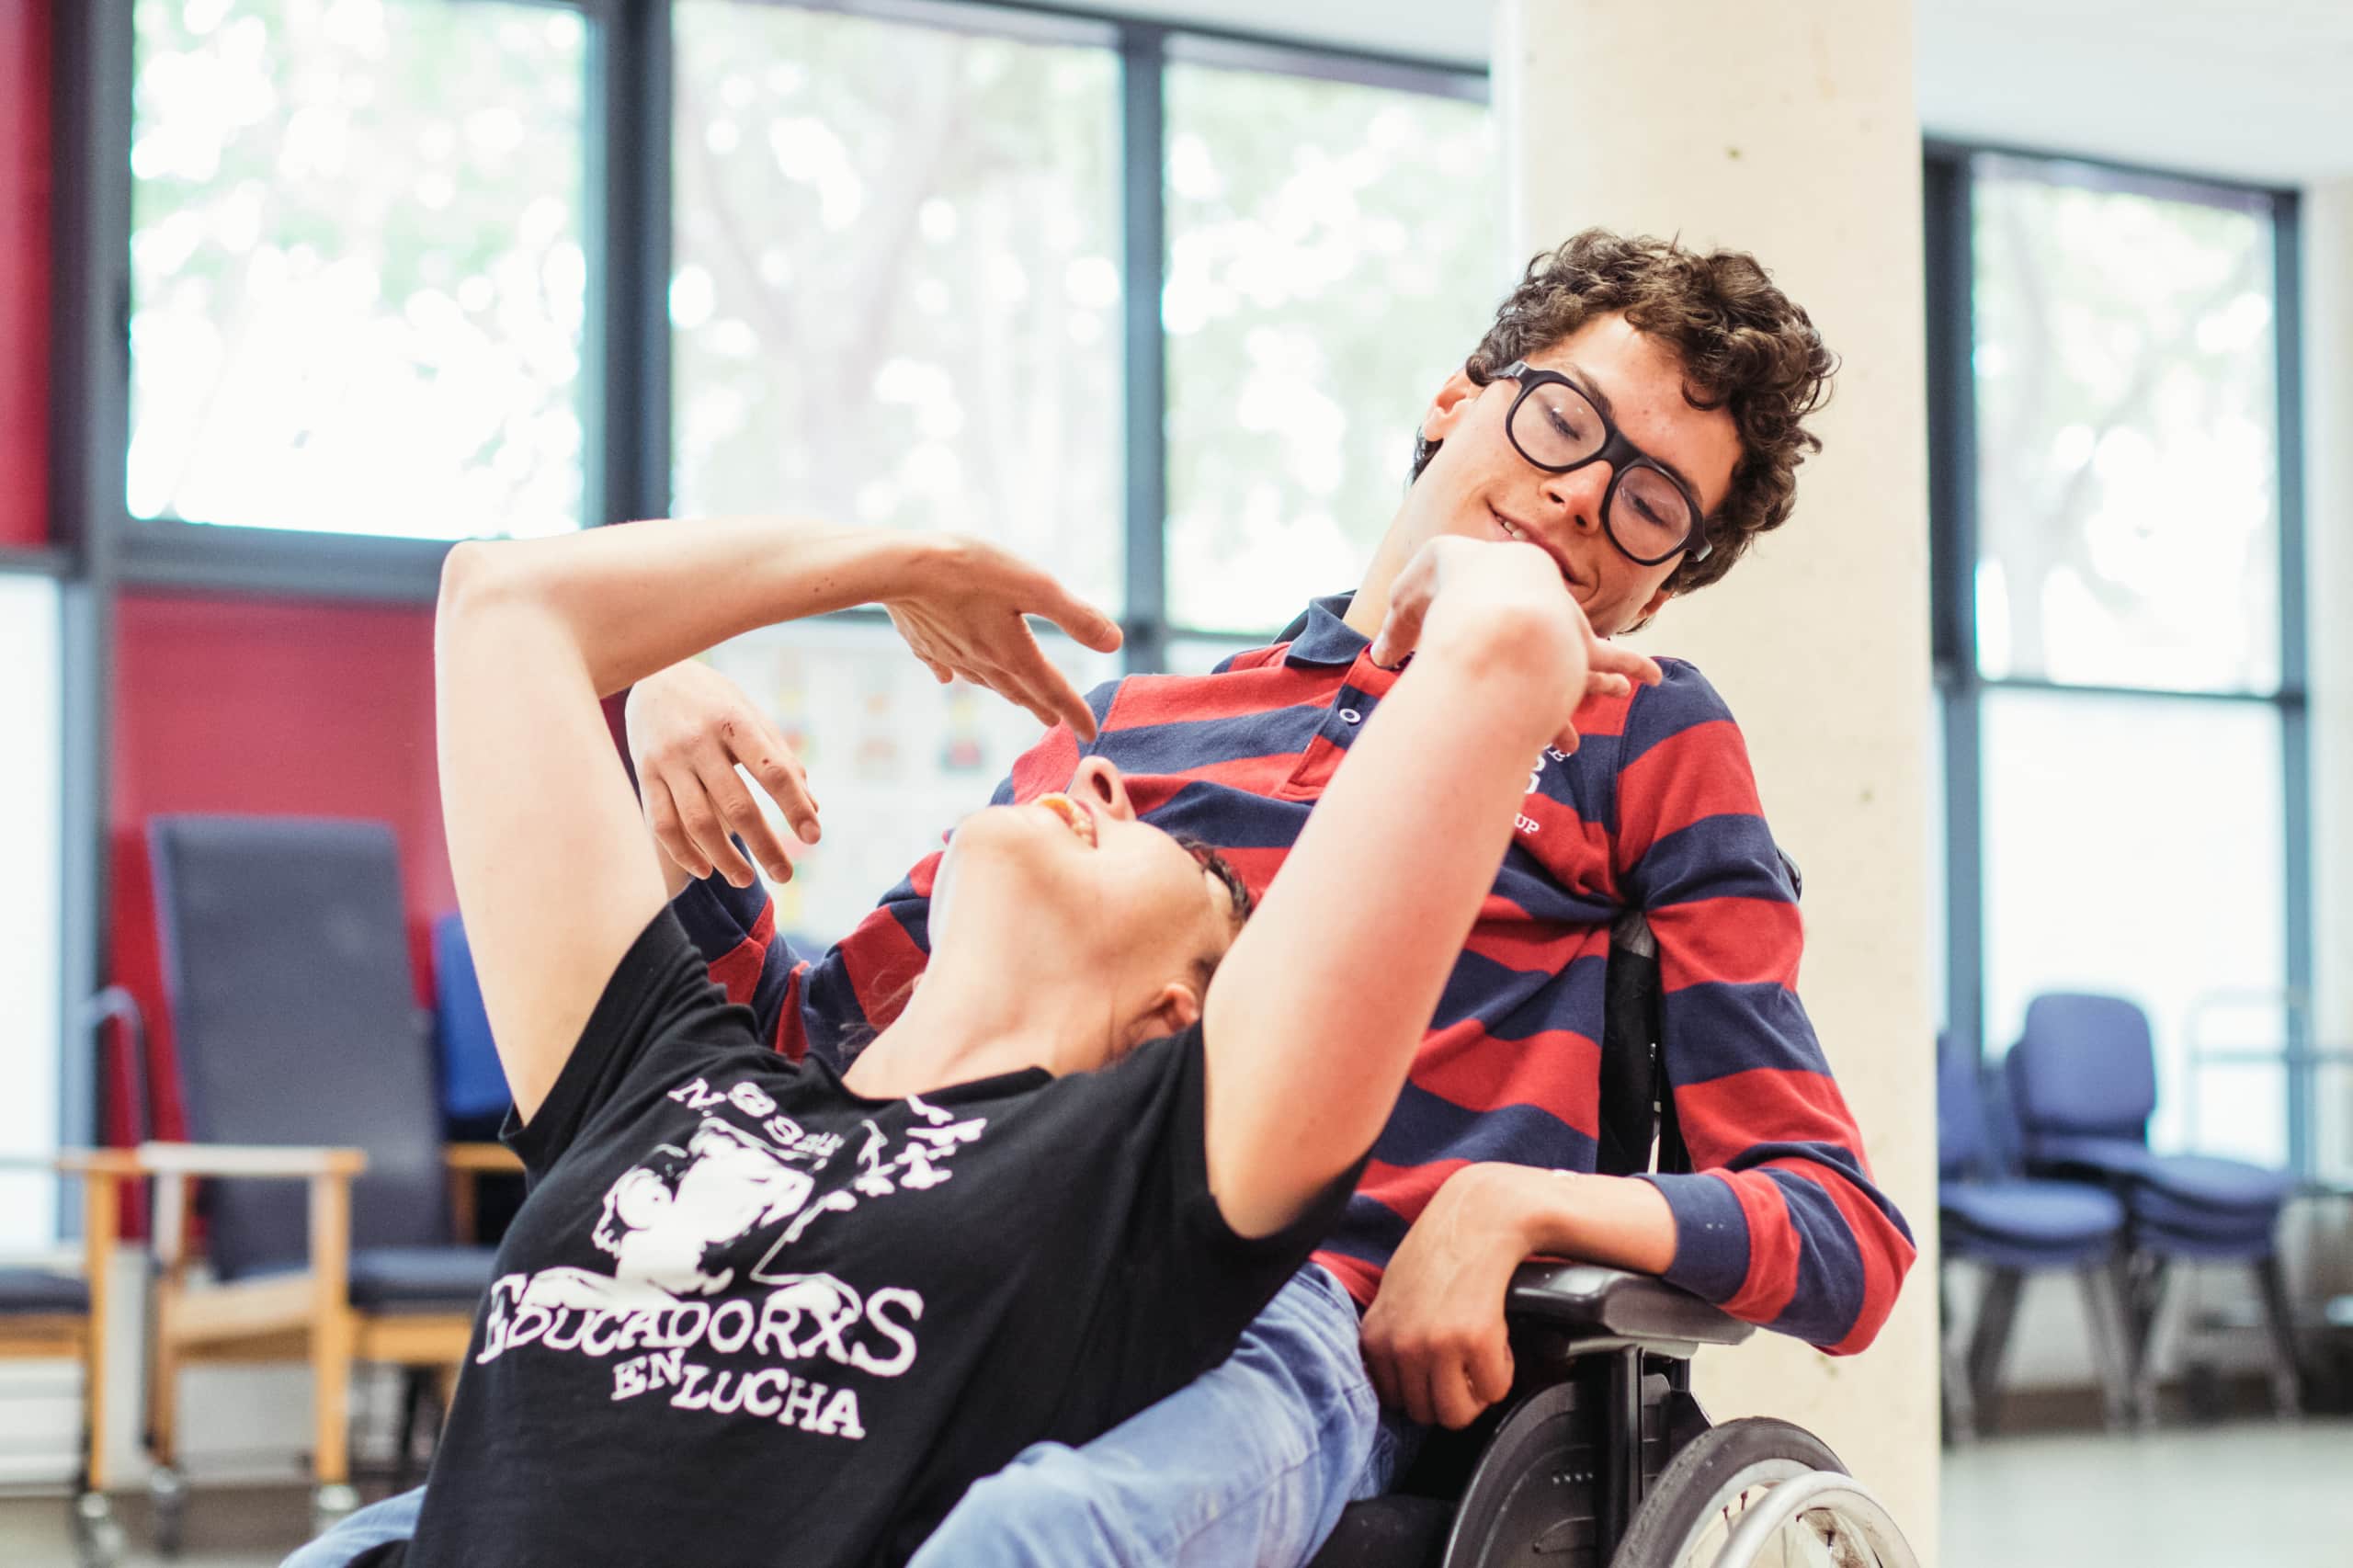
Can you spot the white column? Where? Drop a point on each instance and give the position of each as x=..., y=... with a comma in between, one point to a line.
x=1791, y=131
x=2328, y=587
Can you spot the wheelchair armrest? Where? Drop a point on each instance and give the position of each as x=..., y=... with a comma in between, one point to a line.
x=1583, y=1301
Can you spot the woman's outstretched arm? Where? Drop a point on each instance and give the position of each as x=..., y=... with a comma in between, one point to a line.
x=1311, y=1020
x=554, y=875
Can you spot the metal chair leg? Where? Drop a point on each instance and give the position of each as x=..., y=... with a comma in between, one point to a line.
x=416, y=1389
x=2286, y=1366
x=1996, y=1315
x=2143, y=1279
x=1952, y=1370
x=2109, y=1330
x=97, y=1537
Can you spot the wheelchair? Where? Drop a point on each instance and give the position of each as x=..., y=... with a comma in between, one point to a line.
x=1600, y=1457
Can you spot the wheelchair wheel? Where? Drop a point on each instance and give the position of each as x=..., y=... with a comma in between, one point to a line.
x=1761, y=1494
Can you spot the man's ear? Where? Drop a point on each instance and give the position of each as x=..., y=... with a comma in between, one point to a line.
x=1448, y=409
x=1174, y=1009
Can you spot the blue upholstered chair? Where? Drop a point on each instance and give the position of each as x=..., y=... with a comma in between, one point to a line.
x=313, y=1122
x=2083, y=1079
x=2014, y=1226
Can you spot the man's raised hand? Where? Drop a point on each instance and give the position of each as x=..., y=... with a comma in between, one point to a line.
x=1458, y=575
x=964, y=614
x=689, y=729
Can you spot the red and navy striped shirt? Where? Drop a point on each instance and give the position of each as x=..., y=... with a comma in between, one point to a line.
x=1780, y=1222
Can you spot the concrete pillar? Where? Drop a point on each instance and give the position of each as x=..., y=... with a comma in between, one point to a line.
x=2328, y=585
x=1791, y=131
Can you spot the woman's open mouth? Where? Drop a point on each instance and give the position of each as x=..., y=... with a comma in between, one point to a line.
x=1081, y=821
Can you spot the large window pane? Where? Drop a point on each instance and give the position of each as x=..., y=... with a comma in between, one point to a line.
x=2127, y=438
x=896, y=296
x=358, y=269
x=2133, y=845
x=1200, y=655
x=1333, y=253
x=28, y=904
x=894, y=758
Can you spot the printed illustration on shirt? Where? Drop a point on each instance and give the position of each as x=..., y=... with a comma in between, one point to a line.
x=671, y=1223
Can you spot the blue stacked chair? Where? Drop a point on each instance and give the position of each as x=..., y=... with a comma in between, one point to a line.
x=2084, y=1079
x=2014, y=1226
x=473, y=1086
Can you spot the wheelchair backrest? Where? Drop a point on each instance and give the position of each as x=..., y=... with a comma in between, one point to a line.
x=1638, y=1129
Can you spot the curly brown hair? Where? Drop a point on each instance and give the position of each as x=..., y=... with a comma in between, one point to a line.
x=1745, y=347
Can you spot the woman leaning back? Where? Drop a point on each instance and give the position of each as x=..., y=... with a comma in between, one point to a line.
x=756, y=1312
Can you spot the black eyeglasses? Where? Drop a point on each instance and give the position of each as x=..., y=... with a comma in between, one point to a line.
x=1647, y=512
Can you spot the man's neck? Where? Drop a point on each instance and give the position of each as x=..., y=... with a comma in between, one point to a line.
x=1371, y=606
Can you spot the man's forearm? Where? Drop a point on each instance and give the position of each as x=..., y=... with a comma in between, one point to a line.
x=1435, y=1342
x=1620, y=1221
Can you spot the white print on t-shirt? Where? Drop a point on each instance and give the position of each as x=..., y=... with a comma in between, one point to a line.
x=669, y=1210
x=672, y=1215
x=814, y=1148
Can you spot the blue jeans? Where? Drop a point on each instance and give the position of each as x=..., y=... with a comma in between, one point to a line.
x=392, y=1519
x=1249, y=1465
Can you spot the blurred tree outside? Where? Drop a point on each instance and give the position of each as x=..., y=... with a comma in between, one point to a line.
x=2127, y=433
x=357, y=275
x=896, y=290
x=1333, y=253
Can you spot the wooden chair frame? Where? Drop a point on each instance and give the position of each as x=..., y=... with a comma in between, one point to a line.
x=82, y=1338
x=300, y=1316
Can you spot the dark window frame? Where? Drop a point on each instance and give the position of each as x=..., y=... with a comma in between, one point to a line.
x=1961, y=686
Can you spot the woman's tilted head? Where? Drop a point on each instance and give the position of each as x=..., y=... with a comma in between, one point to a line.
x=1072, y=892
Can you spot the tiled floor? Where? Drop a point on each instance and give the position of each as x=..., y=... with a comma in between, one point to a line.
x=2252, y=1495
x=227, y=1527
x=2248, y=1495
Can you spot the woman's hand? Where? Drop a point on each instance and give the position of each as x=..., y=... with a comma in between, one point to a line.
x=963, y=615
x=689, y=729
x=1460, y=576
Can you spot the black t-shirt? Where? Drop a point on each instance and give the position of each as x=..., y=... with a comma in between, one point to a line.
x=750, y=1317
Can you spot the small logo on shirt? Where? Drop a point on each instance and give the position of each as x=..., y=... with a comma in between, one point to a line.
x=1524, y=823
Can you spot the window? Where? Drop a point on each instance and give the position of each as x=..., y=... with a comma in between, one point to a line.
x=896, y=286
x=2117, y=656
x=2127, y=457
x=1334, y=251
x=357, y=266
x=2133, y=846
x=895, y=759
x=30, y=913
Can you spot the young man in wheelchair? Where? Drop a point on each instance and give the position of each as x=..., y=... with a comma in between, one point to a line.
x=1637, y=410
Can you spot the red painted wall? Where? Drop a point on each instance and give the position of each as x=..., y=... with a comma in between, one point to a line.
x=266, y=705
x=24, y=270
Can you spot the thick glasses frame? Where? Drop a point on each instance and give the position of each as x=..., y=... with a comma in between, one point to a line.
x=1623, y=456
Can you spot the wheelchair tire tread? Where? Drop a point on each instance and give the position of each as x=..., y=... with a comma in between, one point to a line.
x=1687, y=1492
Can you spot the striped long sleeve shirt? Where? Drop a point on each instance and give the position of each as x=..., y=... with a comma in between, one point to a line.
x=1780, y=1221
